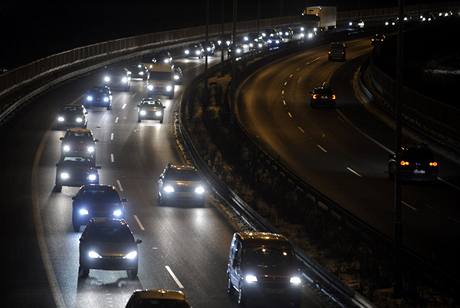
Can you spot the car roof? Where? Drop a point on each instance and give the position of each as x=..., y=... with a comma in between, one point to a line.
x=79, y=130
x=261, y=236
x=160, y=294
x=183, y=167
x=98, y=187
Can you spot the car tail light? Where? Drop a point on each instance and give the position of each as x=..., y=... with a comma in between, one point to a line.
x=404, y=163
x=315, y=96
x=333, y=96
x=433, y=164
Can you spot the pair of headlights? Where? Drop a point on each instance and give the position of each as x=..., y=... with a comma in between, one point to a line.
x=91, y=177
x=199, y=190
x=116, y=213
x=169, y=88
x=129, y=256
x=294, y=280
x=143, y=113
x=66, y=148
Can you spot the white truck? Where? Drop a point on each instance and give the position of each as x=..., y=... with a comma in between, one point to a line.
x=322, y=17
x=161, y=79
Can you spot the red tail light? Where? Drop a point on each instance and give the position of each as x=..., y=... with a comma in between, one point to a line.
x=404, y=163
x=433, y=164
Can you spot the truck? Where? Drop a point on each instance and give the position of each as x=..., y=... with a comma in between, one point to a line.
x=161, y=79
x=321, y=17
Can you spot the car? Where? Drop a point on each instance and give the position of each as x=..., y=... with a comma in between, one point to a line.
x=323, y=96
x=272, y=42
x=150, y=108
x=224, y=41
x=108, y=244
x=209, y=48
x=178, y=74
x=138, y=71
x=417, y=164
x=263, y=266
x=117, y=78
x=96, y=200
x=239, y=50
x=79, y=142
x=269, y=33
x=287, y=33
x=98, y=97
x=71, y=116
x=163, y=56
x=181, y=184
x=252, y=41
x=157, y=298
x=337, y=51
x=194, y=50
x=377, y=39
x=75, y=171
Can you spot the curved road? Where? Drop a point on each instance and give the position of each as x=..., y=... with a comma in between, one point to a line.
x=344, y=152
x=182, y=247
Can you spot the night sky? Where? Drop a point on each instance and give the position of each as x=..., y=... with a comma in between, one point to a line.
x=31, y=31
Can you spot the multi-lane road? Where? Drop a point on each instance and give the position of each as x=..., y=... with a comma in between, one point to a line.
x=344, y=152
x=183, y=248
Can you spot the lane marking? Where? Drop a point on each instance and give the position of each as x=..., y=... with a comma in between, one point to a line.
x=284, y=102
x=289, y=114
x=282, y=92
x=174, y=277
x=448, y=183
x=301, y=129
x=354, y=172
x=116, y=120
x=124, y=106
x=111, y=136
x=112, y=158
x=321, y=148
x=139, y=222
x=409, y=206
x=292, y=75
x=285, y=83
x=119, y=185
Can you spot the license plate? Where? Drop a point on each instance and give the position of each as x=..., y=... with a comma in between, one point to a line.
x=419, y=171
x=323, y=96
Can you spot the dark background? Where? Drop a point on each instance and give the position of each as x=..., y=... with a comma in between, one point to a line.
x=31, y=31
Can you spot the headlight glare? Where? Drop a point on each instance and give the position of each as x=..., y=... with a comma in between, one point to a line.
x=250, y=278
x=92, y=177
x=66, y=148
x=295, y=280
x=117, y=213
x=168, y=189
x=106, y=99
x=124, y=80
x=90, y=149
x=150, y=87
x=199, y=190
x=65, y=176
x=169, y=88
x=89, y=98
x=131, y=255
x=107, y=78
x=176, y=77
x=158, y=113
x=143, y=112
x=83, y=212
x=79, y=120
x=187, y=51
x=94, y=255
x=61, y=119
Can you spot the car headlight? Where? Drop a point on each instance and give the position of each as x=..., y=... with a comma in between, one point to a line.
x=66, y=148
x=295, y=280
x=166, y=61
x=79, y=120
x=302, y=29
x=286, y=33
x=251, y=45
x=238, y=50
x=269, y=41
x=246, y=38
x=208, y=49
x=89, y=98
x=124, y=80
x=131, y=255
x=141, y=73
x=186, y=51
x=61, y=119
x=260, y=45
x=106, y=78
x=150, y=87
x=83, y=212
x=169, y=88
x=250, y=278
x=94, y=255
x=117, y=213
x=228, y=43
x=65, y=176
x=277, y=41
x=168, y=189
x=176, y=77
x=199, y=190
x=92, y=177
x=143, y=112
x=158, y=113
x=197, y=52
x=90, y=149
x=106, y=99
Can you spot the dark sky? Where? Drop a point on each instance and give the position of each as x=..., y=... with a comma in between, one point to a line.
x=30, y=31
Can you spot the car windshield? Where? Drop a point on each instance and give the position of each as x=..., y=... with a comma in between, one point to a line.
x=78, y=136
x=182, y=175
x=161, y=303
x=112, y=233
x=152, y=104
x=71, y=109
x=76, y=159
x=417, y=154
x=269, y=256
x=98, y=90
x=160, y=75
x=99, y=196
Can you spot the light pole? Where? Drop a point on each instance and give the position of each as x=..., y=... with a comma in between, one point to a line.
x=222, y=31
x=235, y=12
x=206, y=51
x=258, y=17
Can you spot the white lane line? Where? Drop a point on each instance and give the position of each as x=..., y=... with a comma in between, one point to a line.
x=301, y=129
x=111, y=136
x=139, y=222
x=282, y=92
x=284, y=102
x=354, y=172
x=363, y=133
x=119, y=185
x=285, y=83
x=292, y=75
x=112, y=158
x=289, y=114
x=174, y=277
x=124, y=106
x=409, y=206
x=448, y=183
x=321, y=148
x=116, y=120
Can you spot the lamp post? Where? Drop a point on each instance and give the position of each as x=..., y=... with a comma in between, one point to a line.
x=222, y=31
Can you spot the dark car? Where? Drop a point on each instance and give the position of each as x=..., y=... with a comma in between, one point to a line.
x=323, y=96
x=138, y=71
x=269, y=33
x=287, y=33
x=117, y=78
x=71, y=116
x=272, y=42
x=377, y=39
x=239, y=50
x=417, y=163
x=181, y=184
x=96, y=201
x=75, y=171
x=157, y=299
x=209, y=48
x=163, y=56
x=98, y=97
x=252, y=41
x=262, y=266
x=79, y=142
x=194, y=50
x=178, y=74
x=150, y=109
x=108, y=244
x=224, y=41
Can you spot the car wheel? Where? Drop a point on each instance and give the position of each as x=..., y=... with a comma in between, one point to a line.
x=230, y=289
x=57, y=188
x=83, y=272
x=132, y=273
x=161, y=121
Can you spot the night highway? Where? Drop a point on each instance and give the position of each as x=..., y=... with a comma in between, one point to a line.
x=230, y=154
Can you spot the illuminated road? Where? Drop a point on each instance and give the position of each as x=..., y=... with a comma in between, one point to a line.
x=344, y=152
